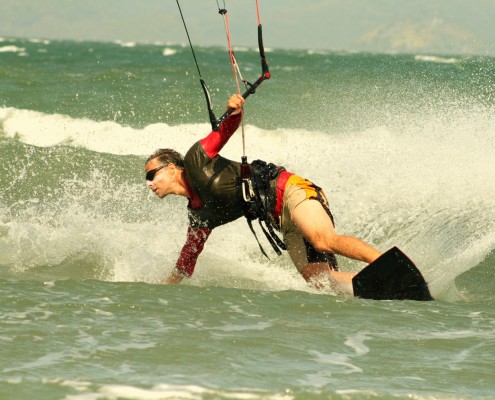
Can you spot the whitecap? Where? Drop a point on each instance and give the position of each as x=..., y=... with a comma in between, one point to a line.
x=40, y=41
x=318, y=52
x=169, y=52
x=12, y=49
x=126, y=44
x=436, y=59
x=243, y=49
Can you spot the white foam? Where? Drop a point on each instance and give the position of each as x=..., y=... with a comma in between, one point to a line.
x=47, y=130
x=356, y=342
x=167, y=391
x=126, y=44
x=169, y=52
x=39, y=41
x=318, y=52
x=12, y=49
x=427, y=188
x=437, y=59
x=239, y=49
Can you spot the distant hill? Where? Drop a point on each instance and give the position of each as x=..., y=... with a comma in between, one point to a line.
x=435, y=36
x=413, y=26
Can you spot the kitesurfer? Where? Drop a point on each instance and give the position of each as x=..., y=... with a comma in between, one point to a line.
x=291, y=204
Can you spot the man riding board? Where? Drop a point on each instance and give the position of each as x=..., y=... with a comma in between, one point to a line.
x=291, y=204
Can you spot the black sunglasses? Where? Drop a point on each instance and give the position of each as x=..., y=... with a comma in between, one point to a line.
x=150, y=175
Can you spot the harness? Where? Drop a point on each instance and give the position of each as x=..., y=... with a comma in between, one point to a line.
x=257, y=178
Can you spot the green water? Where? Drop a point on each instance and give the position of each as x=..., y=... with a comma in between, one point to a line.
x=140, y=86
x=91, y=339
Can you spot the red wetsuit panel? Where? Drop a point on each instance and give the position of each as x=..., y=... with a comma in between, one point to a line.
x=214, y=142
x=196, y=238
x=281, y=183
x=194, y=201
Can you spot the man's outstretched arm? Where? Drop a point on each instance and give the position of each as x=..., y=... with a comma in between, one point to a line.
x=196, y=239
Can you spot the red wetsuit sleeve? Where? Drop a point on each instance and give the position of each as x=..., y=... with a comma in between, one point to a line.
x=196, y=238
x=214, y=142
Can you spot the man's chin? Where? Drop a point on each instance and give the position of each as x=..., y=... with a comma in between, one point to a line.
x=159, y=195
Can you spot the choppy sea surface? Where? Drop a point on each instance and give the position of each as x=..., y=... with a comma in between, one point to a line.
x=402, y=144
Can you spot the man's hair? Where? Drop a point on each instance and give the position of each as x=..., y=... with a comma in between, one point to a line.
x=168, y=156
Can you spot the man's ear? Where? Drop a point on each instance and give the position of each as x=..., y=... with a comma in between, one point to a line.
x=172, y=168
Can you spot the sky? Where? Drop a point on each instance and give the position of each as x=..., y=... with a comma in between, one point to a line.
x=412, y=26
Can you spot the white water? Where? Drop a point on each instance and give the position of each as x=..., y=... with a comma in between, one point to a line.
x=425, y=186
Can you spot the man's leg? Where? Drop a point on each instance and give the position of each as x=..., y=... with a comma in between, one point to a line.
x=320, y=275
x=316, y=226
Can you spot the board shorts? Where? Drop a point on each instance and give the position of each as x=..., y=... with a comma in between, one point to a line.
x=301, y=251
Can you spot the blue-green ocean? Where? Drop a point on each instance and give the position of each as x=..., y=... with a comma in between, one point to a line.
x=403, y=144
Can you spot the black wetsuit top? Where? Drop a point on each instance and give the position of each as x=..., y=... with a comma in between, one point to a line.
x=217, y=183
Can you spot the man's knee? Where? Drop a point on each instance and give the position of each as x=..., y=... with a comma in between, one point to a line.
x=320, y=276
x=315, y=271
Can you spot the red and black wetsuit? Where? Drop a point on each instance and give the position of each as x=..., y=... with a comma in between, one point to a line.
x=215, y=195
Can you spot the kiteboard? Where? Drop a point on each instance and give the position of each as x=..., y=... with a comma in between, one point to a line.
x=392, y=276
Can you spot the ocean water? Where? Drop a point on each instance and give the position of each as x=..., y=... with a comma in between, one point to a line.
x=402, y=144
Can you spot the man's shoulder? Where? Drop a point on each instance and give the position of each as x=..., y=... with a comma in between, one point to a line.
x=195, y=156
x=193, y=150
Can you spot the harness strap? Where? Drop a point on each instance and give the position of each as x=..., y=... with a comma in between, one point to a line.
x=270, y=235
x=256, y=205
x=270, y=238
x=275, y=237
x=250, y=223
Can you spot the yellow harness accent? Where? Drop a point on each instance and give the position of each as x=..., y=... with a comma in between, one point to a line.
x=304, y=184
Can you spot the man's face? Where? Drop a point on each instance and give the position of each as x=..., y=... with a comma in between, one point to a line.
x=159, y=177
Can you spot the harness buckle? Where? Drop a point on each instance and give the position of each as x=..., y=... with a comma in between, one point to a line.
x=247, y=190
x=247, y=184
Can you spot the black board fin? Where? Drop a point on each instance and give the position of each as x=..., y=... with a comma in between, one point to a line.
x=392, y=276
